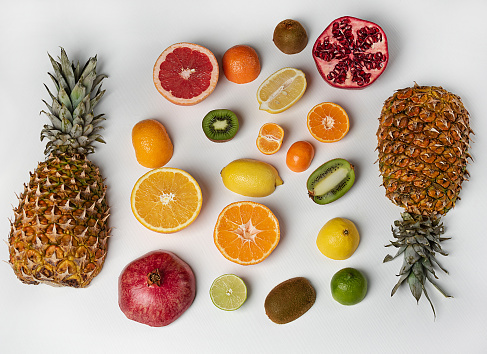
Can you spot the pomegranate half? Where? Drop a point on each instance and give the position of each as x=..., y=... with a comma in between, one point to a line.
x=351, y=53
x=156, y=288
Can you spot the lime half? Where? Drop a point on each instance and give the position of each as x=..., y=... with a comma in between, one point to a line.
x=228, y=292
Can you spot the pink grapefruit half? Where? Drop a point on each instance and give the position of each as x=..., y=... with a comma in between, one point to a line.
x=186, y=73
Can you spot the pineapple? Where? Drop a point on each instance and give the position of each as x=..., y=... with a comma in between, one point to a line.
x=423, y=142
x=59, y=234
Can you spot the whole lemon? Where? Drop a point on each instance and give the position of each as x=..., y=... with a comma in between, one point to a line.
x=251, y=178
x=338, y=239
x=153, y=146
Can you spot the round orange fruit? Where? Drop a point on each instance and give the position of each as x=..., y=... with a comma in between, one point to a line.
x=299, y=156
x=246, y=232
x=153, y=146
x=241, y=64
x=186, y=73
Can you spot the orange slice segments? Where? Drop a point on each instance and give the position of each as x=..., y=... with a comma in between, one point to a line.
x=166, y=199
x=328, y=122
x=246, y=232
x=270, y=138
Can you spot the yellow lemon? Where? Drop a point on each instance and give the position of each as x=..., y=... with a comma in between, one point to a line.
x=251, y=178
x=338, y=239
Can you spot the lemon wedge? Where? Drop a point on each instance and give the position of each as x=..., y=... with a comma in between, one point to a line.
x=281, y=90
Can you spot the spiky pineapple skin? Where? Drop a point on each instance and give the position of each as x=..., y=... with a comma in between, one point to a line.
x=423, y=141
x=59, y=234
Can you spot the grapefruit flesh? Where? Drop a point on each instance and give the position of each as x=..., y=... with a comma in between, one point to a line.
x=186, y=73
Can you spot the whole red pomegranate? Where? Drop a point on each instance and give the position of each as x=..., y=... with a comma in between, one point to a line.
x=351, y=53
x=156, y=288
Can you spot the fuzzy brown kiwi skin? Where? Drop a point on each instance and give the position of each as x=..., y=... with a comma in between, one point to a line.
x=289, y=300
x=290, y=37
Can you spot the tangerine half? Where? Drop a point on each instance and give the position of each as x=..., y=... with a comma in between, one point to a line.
x=270, y=138
x=186, y=73
x=246, y=232
x=328, y=122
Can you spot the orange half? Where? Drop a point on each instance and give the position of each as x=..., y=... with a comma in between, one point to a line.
x=246, y=232
x=166, y=199
x=328, y=122
x=270, y=138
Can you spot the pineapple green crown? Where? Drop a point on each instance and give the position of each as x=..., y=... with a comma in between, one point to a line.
x=74, y=127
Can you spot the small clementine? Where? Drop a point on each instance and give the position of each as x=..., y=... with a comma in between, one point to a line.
x=153, y=146
x=241, y=64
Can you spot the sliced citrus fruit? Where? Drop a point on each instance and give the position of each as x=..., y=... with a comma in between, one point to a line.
x=166, y=199
x=281, y=90
x=270, y=138
x=186, y=73
x=228, y=292
x=246, y=232
x=328, y=122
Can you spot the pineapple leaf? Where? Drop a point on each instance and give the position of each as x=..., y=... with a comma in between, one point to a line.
x=96, y=99
x=61, y=82
x=66, y=125
x=401, y=280
x=88, y=81
x=77, y=94
x=54, y=81
x=429, y=300
x=63, y=98
x=88, y=129
x=65, y=113
x=81, y=108
x=67, y=69
x=437, y=286
x=76, y=131
x=98, y=119
x=89, y=66
x=99, y=79
x=77, y=71
x=432, y=257
x=55, y=121
x=415, y=286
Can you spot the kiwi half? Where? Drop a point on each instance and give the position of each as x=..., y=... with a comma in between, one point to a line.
x=331, y=181
x=220, y=125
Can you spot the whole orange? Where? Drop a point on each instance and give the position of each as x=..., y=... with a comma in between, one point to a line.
x=241, y=64
x=153, y=146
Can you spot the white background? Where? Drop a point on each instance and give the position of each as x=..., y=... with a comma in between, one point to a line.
x=430, y=42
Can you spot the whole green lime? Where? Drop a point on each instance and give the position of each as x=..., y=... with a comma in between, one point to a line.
x=348, y=286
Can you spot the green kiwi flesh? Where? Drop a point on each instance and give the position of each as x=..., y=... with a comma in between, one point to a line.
x=220, y=125
x=331, y=181
x=289, y=300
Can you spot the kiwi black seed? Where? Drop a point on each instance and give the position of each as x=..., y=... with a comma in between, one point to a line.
x=289, y=300
x=330, y=181
x=290, y=37
x=220, y=125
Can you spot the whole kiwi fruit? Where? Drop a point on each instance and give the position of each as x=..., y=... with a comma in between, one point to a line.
x=290, y=37
x=289, y=300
